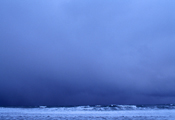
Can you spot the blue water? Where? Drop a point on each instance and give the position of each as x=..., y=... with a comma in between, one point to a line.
x=96, y=112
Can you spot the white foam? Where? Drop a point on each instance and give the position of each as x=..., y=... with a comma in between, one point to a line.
x=53, y=113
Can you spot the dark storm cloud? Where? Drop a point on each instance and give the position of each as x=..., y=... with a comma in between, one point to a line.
x=86, y=52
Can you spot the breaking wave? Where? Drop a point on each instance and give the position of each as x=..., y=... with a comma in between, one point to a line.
x=112, y=107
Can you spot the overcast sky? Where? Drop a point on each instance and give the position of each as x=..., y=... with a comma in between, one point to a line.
x=87, y=52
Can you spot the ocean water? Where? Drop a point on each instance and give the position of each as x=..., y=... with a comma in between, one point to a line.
x=98, y=112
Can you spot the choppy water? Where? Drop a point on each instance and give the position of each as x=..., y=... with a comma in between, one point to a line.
x=98, y=112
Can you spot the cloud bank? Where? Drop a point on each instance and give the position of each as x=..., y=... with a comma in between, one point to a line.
x=87, y=52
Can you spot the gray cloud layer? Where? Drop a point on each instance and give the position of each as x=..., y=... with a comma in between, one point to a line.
x=87, y=52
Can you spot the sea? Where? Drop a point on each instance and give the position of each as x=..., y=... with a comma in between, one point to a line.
x=95, y=112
